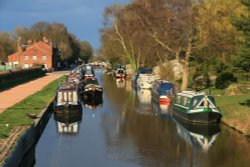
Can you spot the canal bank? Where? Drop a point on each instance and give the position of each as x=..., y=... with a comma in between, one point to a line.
x=27, y=140
x=23, y=123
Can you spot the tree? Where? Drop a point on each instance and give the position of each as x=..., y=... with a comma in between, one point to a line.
x=71, y=48
x=242, y=23
x=86, y=51
x=7, y=46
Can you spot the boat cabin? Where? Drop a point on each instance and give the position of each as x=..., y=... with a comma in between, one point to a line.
x=194, y=100
x=67, y=93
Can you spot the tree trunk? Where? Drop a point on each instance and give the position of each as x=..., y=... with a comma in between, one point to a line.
x=185, y=76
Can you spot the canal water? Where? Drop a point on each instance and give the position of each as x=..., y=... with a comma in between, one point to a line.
x=126, y=129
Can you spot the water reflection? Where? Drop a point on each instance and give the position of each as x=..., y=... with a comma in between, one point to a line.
x=144, y=104
x=120, y=82
x=201, y=136
x=92, y=104
x=161, y=108
x=68, y=123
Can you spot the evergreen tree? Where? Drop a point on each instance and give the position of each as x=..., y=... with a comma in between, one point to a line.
x=242, y=23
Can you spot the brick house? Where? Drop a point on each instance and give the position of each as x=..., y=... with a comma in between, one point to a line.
x=41, y=52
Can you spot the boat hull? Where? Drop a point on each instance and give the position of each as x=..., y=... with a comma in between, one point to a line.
x=92, y=94
x=198, y=117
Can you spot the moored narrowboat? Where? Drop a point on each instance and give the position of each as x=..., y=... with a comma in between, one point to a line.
x=196, y=108
x=163, y=91
x=92, y=89
x=120, y=73
x=67, y=99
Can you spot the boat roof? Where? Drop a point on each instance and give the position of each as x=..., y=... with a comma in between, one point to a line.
x=67, y=86
x=191, y=93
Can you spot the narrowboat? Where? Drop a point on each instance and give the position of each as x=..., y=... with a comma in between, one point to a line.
x=163, y=91
x=68, y=123
x=196, y=107
x=67, y=99
x=120, y=73
x=138, y=73
x=144, y=81
x=91, y=88
x=199, y=136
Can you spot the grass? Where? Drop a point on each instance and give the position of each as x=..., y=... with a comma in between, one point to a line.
x=235, y=114
x=17, y=114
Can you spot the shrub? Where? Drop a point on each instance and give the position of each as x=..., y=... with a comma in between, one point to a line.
x=224, y=79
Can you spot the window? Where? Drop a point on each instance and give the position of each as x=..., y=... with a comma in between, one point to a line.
x=34, y=57
x=26, y=65
x=25, y=58
x=43, y=57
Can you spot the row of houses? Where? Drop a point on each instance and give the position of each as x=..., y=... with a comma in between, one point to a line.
x=36, y=53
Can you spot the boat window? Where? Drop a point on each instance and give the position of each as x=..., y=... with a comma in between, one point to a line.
x=120, y=72
x=185, y=100
x=195, y=102
x=67, y=97
x=60, y=97
x=179, y=99
x=206, y=103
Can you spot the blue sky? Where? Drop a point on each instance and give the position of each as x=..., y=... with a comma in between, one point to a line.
x=83, y=18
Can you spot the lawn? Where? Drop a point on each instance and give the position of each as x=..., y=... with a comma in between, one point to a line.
x=34, y=104
x=235, y=114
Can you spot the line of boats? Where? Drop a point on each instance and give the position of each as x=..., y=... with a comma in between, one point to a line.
x=191, y=106
x=81, y=86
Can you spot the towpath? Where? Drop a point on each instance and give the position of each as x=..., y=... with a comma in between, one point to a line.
x=14, y=95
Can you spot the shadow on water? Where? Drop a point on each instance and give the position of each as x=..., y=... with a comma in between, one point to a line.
x=129, y=129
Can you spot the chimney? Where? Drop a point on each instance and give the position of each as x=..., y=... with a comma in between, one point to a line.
x=45, y=40
x=29, y=42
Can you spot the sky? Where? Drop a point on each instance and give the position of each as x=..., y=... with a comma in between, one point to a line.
x=83, y=18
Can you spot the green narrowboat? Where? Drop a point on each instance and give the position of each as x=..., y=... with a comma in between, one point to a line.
x=196, y=107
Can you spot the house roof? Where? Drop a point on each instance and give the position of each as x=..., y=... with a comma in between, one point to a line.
x=39, y=45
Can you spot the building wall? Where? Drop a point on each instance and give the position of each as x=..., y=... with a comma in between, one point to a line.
x=27, y=58
x=42, y=51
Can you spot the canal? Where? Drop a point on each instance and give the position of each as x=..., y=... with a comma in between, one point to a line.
x=126, y=129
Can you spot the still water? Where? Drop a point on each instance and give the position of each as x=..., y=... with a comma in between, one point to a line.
x=126, y=129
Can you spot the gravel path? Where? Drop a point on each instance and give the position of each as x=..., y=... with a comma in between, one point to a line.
x=14, y=95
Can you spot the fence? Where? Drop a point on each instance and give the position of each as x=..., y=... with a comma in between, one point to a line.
x=8, y=67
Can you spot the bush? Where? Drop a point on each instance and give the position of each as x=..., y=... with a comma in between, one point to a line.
x=224, y=79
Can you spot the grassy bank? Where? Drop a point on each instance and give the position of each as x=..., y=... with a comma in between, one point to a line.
x=17, y=114
x=234, y=114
